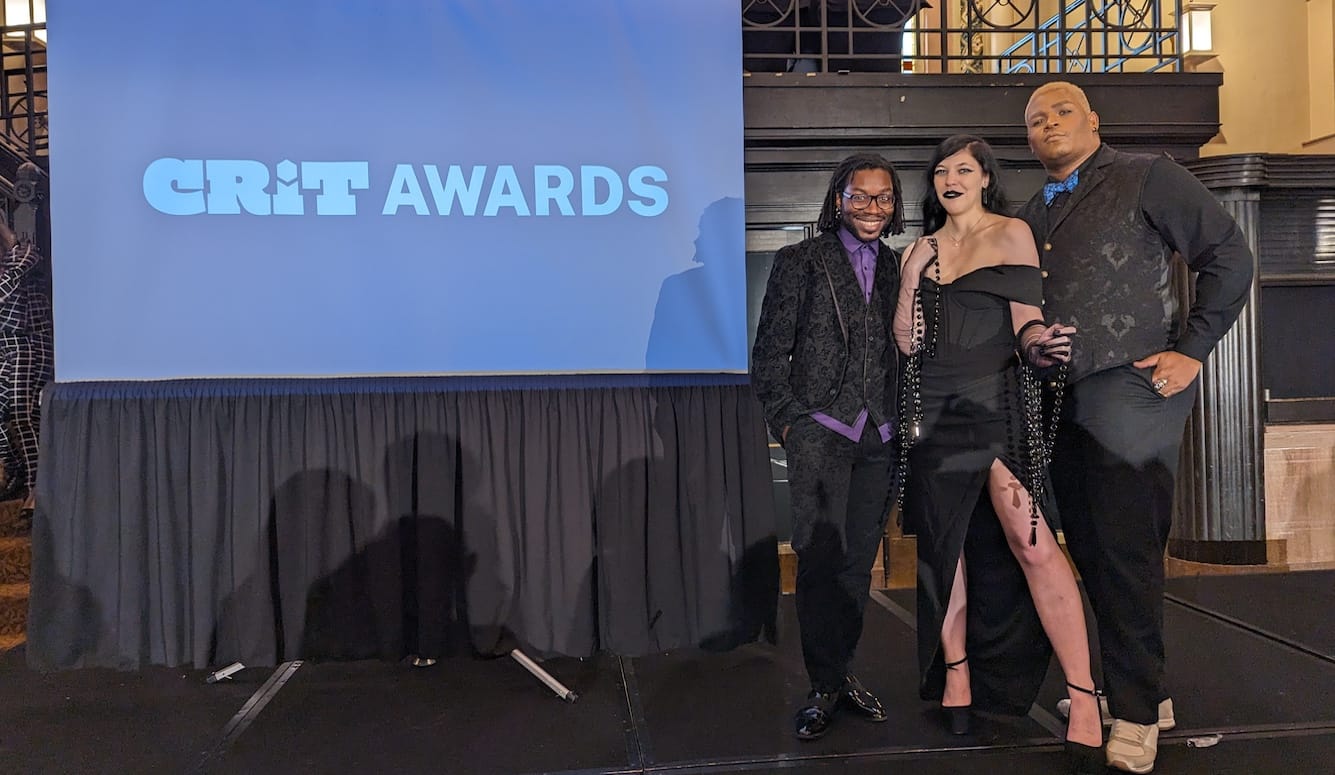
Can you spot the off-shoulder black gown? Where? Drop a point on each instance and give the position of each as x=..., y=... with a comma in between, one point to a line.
x=973, y=415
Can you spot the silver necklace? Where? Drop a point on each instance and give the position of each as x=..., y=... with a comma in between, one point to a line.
x=967, y=232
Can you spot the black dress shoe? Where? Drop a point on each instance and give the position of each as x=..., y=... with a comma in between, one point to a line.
x=862, y=701
x=814, y=719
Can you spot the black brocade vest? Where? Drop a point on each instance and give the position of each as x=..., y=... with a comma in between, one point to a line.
x=866, y=374
x=1106, y=270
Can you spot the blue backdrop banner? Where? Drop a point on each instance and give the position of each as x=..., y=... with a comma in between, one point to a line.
x=382, y=187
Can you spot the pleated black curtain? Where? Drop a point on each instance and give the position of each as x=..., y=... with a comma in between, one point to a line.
x=204, y=522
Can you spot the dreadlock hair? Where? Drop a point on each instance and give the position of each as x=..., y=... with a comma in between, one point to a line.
x=994, y=199
x=830, y=218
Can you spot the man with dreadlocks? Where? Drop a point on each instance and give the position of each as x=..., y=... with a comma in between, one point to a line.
x=824, y=367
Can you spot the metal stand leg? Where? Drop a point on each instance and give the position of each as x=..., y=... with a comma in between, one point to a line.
x=543, y=675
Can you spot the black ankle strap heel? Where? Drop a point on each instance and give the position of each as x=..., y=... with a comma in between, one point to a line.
x=959, y=718
x=1085, y=759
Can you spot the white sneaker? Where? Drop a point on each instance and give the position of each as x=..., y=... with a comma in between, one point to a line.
x=1132, y=747
x=1166, y=720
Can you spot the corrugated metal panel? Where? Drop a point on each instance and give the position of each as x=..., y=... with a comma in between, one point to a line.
x=1296, y=236
x=1219, y=494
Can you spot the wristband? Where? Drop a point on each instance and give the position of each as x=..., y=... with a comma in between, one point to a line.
x=1035, y=322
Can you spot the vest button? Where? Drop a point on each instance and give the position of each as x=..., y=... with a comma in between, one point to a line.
x=1044, y=273
x=1047, y=246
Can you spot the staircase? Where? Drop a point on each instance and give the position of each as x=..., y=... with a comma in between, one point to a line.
x=15, y=572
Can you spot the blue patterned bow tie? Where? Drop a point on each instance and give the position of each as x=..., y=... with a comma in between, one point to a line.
x=1051, y=190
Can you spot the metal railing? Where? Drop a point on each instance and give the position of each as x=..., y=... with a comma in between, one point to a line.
x=23, y=124
x=23, y=110
x=961, y=36
x=918, y=36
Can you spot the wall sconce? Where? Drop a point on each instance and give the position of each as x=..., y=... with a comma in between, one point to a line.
x=21, y=13
x=1197, y=38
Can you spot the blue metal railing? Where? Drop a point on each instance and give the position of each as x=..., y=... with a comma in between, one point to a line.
x=1158, y=52
x=959, y=36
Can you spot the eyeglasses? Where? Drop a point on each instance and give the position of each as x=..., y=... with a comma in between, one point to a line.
x=861, y=201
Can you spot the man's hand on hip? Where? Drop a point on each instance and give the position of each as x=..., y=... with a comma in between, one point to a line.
x=1173, y=371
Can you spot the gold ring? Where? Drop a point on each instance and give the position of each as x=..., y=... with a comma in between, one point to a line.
x=1160, y=384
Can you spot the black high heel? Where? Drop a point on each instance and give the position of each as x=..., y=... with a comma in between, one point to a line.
x=958, y=717
x=1085, y=759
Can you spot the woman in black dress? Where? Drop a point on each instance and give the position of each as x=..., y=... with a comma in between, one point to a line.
x=996, y=595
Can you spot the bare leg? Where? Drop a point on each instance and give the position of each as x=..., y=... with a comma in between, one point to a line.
x=1052, y=586
x=957, y=691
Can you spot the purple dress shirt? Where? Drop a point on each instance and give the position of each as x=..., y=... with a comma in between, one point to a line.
x=863, y=257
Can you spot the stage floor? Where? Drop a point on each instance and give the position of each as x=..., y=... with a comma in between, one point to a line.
x=1252, y=658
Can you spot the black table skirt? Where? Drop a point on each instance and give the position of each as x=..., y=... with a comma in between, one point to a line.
x=204, y=522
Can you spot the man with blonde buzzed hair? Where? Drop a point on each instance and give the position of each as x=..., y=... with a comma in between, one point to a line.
x=1108, y=225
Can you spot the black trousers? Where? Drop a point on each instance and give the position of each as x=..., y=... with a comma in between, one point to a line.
x=841, y=498
x=1114, y=469
x=25, y=368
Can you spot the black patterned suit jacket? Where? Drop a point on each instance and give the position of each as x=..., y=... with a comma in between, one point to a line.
x=813, y=305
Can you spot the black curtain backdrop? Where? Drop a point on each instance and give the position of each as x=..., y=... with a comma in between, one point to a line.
x=204, y=522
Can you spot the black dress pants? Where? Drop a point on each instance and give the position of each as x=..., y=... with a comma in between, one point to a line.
x=841, y=496
x=1114, y=469
x=25, y=367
